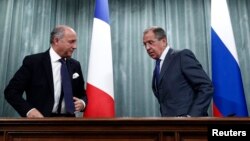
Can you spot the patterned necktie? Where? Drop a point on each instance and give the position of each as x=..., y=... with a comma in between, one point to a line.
x=157, y=72
x=67, y=88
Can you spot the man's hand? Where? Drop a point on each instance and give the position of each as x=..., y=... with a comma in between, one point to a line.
x=34, y=113
x=79, y=104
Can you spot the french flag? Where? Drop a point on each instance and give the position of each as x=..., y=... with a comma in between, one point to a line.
x=229, y=98
x=100, y=87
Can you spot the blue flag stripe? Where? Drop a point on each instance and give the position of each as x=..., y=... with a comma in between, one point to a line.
x=102, y=10
x=229, y=94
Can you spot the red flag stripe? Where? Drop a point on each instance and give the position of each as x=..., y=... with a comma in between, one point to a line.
x=96, y=98
x=216, y=111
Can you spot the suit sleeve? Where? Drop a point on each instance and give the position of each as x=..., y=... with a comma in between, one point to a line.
x=81, y=92
x=199, y=81
x=16, y=87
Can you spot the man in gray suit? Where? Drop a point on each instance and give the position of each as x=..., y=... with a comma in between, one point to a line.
x=179, y=83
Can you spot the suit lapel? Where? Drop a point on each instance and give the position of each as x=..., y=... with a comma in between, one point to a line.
x=168, y=59
x=69, y=66
x=48, y=69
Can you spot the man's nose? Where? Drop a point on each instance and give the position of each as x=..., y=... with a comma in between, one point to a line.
x=147, y=46
x=74, y=46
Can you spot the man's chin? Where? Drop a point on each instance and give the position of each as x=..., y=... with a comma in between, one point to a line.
x=153, y=57
x=69, y=55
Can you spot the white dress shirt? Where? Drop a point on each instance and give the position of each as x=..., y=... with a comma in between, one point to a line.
x=163, y=55
x=56, y=71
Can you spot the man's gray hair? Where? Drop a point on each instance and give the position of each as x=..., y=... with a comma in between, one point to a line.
x=57, y=32
x=158, y=31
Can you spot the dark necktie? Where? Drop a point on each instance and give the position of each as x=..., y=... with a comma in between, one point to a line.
x=67, y=88
x=157, y=72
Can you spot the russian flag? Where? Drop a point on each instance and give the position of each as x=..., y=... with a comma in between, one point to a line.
x=100, y=87
x=229, y=98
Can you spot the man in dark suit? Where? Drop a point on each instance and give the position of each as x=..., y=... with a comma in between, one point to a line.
x=179, y=83
x=40, y=78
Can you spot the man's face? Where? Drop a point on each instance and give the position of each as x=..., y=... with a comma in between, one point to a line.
x=67, y=44
x=153, y=46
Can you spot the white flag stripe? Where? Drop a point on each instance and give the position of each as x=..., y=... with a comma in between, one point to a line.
x=224, y=29
x=100, y=75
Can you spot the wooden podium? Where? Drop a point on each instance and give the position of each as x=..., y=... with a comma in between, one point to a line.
x=111, y=129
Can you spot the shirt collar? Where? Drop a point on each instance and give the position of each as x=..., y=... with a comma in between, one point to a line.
x=164, y=53
x=53, y=55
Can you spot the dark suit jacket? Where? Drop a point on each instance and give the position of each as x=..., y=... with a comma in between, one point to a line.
x=184, y=88
x=35, y=78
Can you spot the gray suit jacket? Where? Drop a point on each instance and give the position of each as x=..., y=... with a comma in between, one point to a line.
x=35, y=78
x=184, y=88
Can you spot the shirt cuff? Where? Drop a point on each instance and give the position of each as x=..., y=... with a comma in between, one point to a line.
x=84, y=105
x=30, y=111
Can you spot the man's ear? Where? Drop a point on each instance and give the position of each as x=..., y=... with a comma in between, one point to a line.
x=164, y=41
x=55, y=40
